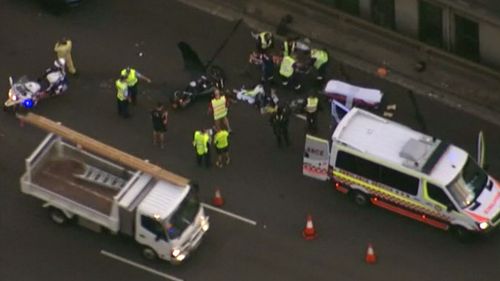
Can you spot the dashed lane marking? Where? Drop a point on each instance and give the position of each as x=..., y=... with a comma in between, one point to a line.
x=140, y=266
x=229, y=214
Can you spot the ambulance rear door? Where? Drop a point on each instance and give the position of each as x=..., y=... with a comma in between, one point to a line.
x=316, y=158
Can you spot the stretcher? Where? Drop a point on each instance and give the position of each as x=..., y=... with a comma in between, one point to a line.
x=351, y=95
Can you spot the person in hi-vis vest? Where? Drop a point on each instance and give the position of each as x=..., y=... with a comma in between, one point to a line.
x=122, y=96
x=219, y=108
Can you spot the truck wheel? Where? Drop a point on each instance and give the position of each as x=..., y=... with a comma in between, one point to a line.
x=57, y=216
x=360, y=198
x=463, y=235
x=149, y=253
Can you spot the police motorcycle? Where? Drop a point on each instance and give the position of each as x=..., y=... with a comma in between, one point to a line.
x=203, y=86
x=27, y=93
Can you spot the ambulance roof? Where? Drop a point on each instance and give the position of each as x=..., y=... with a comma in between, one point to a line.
x=163, y=199
x=400, y=145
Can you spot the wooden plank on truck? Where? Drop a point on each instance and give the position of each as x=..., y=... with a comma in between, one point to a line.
x=102, y=149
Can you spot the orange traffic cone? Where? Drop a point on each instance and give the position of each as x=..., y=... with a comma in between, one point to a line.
x=370, y=255
x=218, y=200
x=309, y=232
x=382, y=71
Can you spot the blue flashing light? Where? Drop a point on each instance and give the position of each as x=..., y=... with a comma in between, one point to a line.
x=28, y=103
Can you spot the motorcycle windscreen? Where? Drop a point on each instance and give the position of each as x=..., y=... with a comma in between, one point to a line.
x=316, y=158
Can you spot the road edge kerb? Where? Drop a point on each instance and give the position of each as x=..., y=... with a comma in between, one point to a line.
x=252, y=17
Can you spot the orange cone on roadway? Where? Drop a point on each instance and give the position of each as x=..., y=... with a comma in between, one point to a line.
x=382, y=71
x=370, y=255
x=217, y=201
x=309, y=232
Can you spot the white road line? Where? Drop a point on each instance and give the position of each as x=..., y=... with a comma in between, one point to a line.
x=300, y=116
x=249, y=221
x=124, y=260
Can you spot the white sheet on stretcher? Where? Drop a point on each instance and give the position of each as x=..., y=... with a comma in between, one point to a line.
x=371, y=96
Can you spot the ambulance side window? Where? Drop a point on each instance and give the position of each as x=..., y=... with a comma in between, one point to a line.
x=398, y=180
x=356, y=165
x=438, y=195
x=345, y=161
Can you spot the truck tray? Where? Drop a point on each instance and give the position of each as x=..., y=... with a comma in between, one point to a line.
x=58, y=176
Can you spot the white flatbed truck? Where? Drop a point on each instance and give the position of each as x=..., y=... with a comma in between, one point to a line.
x=96, y=185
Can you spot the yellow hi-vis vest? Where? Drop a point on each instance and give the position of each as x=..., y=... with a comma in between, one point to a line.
x=286, y=67
x=131, y=77
x=121, y=90
x=200, y=142
x=221, y=139
x=219, y=107
x=320, y=56
x=264, y=44
x=312, y=104
x=288, y=48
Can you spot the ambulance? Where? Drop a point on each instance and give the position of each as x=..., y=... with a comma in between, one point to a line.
x=380, y=162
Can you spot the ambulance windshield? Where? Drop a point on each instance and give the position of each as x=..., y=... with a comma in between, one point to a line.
x=469, y=184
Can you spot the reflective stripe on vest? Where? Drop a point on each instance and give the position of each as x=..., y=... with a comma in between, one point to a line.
x=220, y=139
x=219, y=107
x=200, y=142
x=320, y=56
x=264, y=44
x=131, y=77
x=288, y=48
x=312, y=104
x=121, y=90
x=286, y=67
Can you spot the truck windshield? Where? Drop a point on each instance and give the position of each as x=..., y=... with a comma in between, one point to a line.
x=184, y=215
x=469, y=184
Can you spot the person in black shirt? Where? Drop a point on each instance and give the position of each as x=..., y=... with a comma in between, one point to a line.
x=279, y=123
x=159, y=116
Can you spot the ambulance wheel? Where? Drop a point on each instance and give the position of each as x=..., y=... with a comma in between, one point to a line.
x=57, y=216
x=149, y=253
x=360, y=198
x=462, y=234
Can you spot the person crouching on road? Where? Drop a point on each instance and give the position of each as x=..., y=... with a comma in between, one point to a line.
x=201, y=144
x=221, y=142
x=264, y=41
x=219, y=107
x=320, y=59
x=133, y=77
x=159, y=117
x=122, y=97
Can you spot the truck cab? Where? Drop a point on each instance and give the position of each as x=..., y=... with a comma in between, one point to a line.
x=169, y=221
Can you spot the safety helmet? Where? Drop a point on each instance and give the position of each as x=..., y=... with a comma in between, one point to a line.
x=192, y=84
x=60, y=62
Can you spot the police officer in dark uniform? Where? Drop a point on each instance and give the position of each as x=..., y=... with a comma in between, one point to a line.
x=279, y=123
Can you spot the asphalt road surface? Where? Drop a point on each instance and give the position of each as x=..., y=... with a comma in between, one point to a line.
x=263, y=182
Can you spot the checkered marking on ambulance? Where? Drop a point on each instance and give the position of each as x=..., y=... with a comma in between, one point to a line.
x=386, y=193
